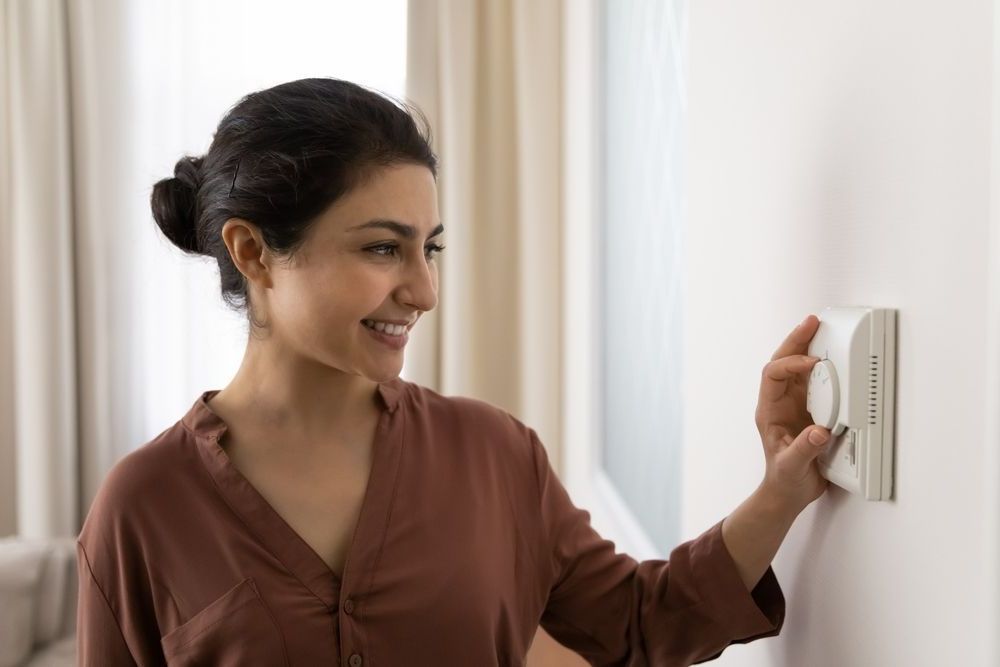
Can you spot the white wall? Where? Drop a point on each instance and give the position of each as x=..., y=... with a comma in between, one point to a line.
x=839, y=154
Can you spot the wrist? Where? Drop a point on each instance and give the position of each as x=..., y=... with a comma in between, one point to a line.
x=754, y=531
x=776, y=504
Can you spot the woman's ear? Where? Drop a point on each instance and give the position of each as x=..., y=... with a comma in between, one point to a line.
x=248, y=251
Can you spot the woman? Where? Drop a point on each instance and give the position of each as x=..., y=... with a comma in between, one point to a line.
x=320, y=510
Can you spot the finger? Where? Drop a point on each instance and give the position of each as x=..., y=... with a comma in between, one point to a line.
x=803, y=450
x=797, y=342
x=777, y=373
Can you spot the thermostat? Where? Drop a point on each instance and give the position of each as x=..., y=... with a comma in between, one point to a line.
x=852, y=393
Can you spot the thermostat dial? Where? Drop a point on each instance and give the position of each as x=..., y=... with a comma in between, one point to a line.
x=823, y=395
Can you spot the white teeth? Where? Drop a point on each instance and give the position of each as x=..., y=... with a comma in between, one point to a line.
x=389, y=329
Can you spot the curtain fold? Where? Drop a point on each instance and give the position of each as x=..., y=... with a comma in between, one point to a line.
x=66, y=243
x=8, y=476
x=111, y=378
x=487, y=73
x=38, y=221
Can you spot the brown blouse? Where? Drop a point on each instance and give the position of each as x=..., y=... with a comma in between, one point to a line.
x=465, y=544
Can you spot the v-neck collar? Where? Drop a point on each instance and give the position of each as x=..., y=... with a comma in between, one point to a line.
x=275, y=534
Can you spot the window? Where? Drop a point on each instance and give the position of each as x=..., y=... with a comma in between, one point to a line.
x=640, y=259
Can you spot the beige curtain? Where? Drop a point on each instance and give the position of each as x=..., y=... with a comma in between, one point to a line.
x=8, y=477
x=58, y=220
x=488, y=75
x=39, y=432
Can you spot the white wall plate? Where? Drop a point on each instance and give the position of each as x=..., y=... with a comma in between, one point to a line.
x=852, y=392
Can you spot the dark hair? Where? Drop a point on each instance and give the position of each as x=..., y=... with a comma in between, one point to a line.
x=279, y=158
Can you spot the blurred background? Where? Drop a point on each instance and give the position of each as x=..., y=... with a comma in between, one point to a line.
x=642, y=198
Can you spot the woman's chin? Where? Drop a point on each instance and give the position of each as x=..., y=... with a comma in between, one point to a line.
x=385, y=372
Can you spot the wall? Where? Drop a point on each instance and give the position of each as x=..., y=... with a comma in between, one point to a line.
x=839, y=154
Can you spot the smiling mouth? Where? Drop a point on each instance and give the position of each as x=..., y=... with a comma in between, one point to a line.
x=405, y=329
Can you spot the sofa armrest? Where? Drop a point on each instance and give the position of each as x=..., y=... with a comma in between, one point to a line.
x=21, y=566
x=55, y=614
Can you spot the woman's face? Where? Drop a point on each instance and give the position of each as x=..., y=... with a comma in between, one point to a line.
x=347, y=271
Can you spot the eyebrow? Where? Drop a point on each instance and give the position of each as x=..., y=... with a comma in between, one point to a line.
x=406, y=231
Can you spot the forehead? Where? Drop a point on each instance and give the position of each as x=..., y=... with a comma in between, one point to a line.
x=405, y=194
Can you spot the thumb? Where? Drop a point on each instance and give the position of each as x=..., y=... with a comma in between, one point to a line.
x=808, y=445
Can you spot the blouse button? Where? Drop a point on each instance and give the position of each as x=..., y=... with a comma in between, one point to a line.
x=349, y=607
x=355, y=660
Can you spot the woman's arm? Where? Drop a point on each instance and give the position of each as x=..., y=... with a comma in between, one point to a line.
x=792, y=442
x=753, y=533
x=100, y=641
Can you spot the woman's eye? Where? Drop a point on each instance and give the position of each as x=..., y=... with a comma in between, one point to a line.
x=391, y=249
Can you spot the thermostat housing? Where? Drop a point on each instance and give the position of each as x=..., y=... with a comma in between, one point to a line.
x=852, y=393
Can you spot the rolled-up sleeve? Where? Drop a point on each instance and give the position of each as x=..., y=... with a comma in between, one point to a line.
x=99, y=638
x=613, y=610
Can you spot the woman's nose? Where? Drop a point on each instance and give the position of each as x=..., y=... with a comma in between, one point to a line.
x=420, y=288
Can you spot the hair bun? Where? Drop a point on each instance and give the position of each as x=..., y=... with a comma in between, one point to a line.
x=174, y=203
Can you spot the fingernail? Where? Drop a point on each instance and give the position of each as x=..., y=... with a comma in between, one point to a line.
x=817, y=437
